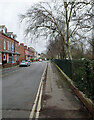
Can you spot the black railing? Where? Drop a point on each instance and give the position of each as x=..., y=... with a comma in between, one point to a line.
x=81, y=72
x=65, y=65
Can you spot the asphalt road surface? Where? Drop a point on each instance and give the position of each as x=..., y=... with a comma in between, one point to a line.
x=19, y=89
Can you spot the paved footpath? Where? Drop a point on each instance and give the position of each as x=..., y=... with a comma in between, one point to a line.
x=59, y=100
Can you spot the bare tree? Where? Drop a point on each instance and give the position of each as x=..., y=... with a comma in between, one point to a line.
x=59, y=18
x=56, y=49
x=92, y=43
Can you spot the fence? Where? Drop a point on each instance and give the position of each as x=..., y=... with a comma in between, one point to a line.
x=81, y=72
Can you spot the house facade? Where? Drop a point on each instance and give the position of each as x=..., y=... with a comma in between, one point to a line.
x=26, y=52
x=9, y=47
x=11, y=52
x=22, y=52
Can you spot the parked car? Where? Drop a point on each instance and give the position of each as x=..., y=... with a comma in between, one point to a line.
x=24, y=63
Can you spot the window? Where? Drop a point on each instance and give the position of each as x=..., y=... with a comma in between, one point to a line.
x=8, y=45
x=12, y=47
x=16, y=47
x=4, y=45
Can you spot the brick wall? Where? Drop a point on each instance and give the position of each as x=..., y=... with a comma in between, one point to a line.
x=11, y=46
x=16, y=46
x=9, y=65
x=22, y=52
x=9, y=41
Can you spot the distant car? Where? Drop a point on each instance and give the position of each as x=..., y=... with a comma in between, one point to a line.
x=40, y=60
x=24, y=63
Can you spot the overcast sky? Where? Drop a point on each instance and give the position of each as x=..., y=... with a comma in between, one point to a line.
x=9, y=11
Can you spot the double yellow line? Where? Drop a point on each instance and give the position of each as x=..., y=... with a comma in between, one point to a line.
x=37, y=103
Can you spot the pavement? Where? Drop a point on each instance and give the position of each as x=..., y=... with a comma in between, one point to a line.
x=58, y=100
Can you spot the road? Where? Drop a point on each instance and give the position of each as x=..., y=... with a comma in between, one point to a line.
x=19, y=89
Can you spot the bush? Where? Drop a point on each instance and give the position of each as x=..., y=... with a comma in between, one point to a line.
x=32, y=59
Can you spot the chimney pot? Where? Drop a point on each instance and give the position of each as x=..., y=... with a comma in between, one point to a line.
x=21, y=44
x=25, y=46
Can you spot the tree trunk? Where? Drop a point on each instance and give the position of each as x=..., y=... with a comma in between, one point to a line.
x=93, y=49
x=93, y=33
x=67, y=32
x=69, y=52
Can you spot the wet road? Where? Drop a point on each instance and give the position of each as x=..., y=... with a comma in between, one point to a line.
x=19, y=89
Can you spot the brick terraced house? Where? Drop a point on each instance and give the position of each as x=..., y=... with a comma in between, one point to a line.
x=9, y=47
x=26, y=52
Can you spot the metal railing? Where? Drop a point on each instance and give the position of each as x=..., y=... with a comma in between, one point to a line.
x=81, y=72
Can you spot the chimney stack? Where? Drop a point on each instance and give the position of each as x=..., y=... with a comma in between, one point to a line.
x=21, y=44
x=25, y=46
